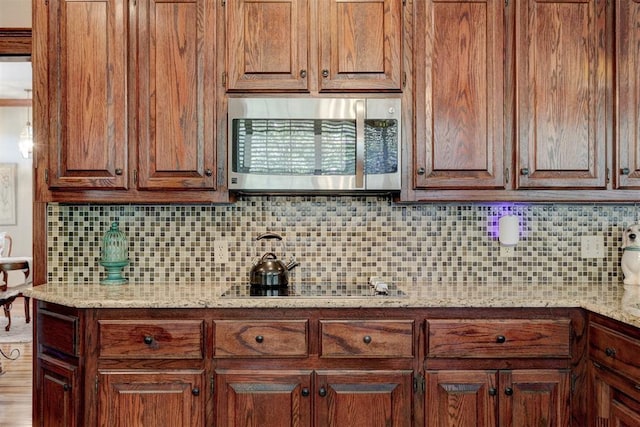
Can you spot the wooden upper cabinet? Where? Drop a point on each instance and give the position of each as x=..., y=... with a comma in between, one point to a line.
x=561, y=72
x=176, y=95
x=344, y=45
x=267, y=45
x=627, y=57
x=360, y=44
x=87, y=104
x=459, y=94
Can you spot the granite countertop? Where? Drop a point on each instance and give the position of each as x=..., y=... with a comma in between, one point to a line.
x=613, y=300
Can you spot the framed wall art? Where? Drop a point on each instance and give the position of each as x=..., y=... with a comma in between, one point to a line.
x=8, y=193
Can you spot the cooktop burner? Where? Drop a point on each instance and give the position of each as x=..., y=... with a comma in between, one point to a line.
x=309, y=290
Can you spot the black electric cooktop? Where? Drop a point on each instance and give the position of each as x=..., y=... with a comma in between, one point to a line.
x=309, y=290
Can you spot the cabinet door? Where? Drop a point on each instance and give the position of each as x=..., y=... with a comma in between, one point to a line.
x=560, y=56
x=87, y=122
x=360, y=44
x=176, y=102
x=151, y=398
x=459, y=94
x=57, y=391
x=267, y=45
x=535, y=398
x=364, y=398
x=263, y=398
x=613, y=400
x=627, y=56
x=461, y=398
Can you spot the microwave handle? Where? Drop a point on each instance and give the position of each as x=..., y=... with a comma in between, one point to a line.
x=360, y=115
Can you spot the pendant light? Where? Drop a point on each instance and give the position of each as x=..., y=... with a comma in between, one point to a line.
x=25, y=142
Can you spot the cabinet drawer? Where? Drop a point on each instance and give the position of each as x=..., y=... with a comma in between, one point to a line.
x=261, y=338
x=499, y=338
x=58, y=331
x=368, y=338
x=151, y=339
x=615, y=350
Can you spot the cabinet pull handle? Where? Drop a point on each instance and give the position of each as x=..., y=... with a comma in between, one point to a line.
x=148, y=339
x=259, y=339
x=305, y=392
x=303, y=73
x=208, y=172
x=611, y=352
x=501, y=339
x=367, y=339
x=325, y=73
x=421, y=171
x=624, y=171
x=195, y=391
x=118, y=171
x=322, y=392
x=66, y=387
x=508, y=391
x=524, y=171
x=493, y=391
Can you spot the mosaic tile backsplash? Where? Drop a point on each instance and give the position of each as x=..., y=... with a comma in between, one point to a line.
x=341, y=239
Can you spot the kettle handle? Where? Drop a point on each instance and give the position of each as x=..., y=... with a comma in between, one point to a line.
x=269, y=235
x=268, y=255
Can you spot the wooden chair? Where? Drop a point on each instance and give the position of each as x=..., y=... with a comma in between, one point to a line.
x=9, y=294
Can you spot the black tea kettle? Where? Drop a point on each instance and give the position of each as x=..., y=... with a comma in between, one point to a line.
x=269, y=271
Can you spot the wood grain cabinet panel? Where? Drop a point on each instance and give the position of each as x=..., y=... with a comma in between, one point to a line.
x=313, y=46
x=627, y=58
x=57, y=386
x=383, y=338
x=561, y=81
x=176, y=102
x=499, y=338
x=614, y=369
x=267, y=398
x=151, y=398
x=87, y=121
x=360, y=45
x=267, y=45
x=459, y=107
x=364, y=398
x=261, y=338
x=151, y=339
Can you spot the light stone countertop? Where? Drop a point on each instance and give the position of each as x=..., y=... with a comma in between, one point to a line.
x=613, y=300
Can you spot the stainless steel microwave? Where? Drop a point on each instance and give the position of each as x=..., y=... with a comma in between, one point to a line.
x=314, y=144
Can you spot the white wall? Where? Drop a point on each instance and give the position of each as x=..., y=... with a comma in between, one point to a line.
x=12, y=120
x=15, y=13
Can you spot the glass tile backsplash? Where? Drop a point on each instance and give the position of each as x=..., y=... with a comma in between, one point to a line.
x=341, y=239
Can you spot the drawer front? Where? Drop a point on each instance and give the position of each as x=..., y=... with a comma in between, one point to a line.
x=615, y=350
x=151, y=339
x=58, y=331
x=368, y=338
x=261, y=338
x=498, y=338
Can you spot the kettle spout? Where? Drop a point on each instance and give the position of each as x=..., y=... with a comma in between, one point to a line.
x=292, y=264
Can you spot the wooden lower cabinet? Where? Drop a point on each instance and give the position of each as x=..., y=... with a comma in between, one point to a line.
x=487, y=398
x=354, y=398
x=614, y=369
x=151, y=398
x=364, y=398
x=266, y=398
x=56, y=393
x=317, y=368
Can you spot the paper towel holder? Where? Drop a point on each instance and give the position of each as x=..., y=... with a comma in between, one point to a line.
x=509, y=230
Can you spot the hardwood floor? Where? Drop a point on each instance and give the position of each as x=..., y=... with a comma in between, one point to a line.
x=16, y=381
